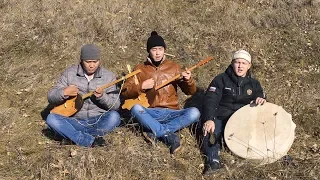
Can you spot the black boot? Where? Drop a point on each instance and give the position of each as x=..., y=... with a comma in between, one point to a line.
x=173, y=141
x=211, y=167
x=98, y=141
x=66, y=142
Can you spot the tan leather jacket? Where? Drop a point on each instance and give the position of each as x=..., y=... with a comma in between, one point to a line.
x=166, y=97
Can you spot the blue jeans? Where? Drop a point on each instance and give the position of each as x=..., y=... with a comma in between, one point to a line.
x=83, y=131
x=163, y=120
x=211, y=150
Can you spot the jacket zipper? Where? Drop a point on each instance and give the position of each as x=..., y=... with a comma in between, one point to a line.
x=239, y=85
x=156, y=82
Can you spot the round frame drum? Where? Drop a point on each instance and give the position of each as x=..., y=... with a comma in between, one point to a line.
x=263, y=133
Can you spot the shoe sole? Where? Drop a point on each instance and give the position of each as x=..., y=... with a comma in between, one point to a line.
x=152, y=141
x=212, y=172
x=176, y=150
x=66, y=142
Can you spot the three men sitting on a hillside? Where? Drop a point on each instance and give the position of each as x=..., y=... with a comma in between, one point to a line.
x=226, y=93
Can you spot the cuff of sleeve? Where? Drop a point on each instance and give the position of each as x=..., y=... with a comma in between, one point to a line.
x=210, y=118
x=140, y=90
x=63, y=97
x=190, y=81
x=99, y=98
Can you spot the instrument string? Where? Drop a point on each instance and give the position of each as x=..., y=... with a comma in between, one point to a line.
x=113, y=104
x=243, y=143
x=256, y=150
x=265, y=137
x=264, y=131
x=274, y=132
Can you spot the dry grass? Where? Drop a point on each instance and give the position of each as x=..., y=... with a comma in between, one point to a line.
x=41, y=38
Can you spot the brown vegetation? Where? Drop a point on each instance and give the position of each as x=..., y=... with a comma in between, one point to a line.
x=39, y=39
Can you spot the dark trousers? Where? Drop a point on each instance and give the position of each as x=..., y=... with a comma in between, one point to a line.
x=211, y=149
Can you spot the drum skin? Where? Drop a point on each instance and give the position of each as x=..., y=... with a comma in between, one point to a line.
x=262, y=133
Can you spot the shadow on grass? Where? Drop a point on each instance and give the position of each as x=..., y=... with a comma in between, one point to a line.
x=47, y=131
x=46, y=111
x=196, y=100
x=51, y=134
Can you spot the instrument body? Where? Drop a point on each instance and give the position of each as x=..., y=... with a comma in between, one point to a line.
x=262, y=133
x=73, y=104
x=142, y=100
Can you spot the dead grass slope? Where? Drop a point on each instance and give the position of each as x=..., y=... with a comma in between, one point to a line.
x=39, y=39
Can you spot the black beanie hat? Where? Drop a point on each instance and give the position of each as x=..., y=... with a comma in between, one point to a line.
x=90, y=52
x=155, y=40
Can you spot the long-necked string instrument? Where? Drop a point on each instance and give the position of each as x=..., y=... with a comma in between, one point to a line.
x=145, y=99
x=74, y=104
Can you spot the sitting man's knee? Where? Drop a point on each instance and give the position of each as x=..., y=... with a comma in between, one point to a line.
x=194, y=113
x=137, y=108
x=114, y=115
x=114, y=118
x=51, y=120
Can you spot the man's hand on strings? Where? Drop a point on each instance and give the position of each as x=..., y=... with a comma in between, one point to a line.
x=208, y=127
x=147, y=84
x=98, y=92
x=71, y=90
x=186, y=75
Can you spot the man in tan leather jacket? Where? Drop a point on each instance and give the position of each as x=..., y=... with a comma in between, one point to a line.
x=163, y=118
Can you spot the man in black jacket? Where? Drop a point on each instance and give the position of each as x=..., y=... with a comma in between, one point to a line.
x=228, y=92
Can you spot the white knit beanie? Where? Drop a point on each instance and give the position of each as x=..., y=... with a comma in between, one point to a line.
x=242, y=54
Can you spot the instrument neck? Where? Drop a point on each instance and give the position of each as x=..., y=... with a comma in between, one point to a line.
x=112, y=83
x=174, y=78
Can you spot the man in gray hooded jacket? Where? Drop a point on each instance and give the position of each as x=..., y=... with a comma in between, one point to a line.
x=97, y=115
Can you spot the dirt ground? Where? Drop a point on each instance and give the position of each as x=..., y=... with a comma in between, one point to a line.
x=39, y=39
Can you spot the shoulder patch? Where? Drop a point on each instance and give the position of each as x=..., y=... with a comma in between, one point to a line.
x=212, y=89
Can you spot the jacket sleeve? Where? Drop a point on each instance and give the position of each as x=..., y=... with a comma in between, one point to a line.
x=259, y=91
x=189, y=86
x=110, y=97
x=130, y=89
x=55, y=94
x=212, y=99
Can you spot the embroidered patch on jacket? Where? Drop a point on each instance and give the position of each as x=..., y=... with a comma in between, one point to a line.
x=249, y=92
x=212, y=89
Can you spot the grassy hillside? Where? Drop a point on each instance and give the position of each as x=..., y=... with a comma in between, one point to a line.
x=39, y=39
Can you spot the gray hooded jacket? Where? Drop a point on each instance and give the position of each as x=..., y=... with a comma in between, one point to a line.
x=92, y=106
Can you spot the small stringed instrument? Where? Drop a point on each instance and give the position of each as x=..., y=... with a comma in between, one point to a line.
x=74, y=104
x=145, y=99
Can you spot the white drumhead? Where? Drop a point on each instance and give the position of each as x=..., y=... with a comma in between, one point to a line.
x=263, y=133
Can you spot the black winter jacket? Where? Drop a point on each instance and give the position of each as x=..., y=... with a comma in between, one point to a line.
x=227, y=93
